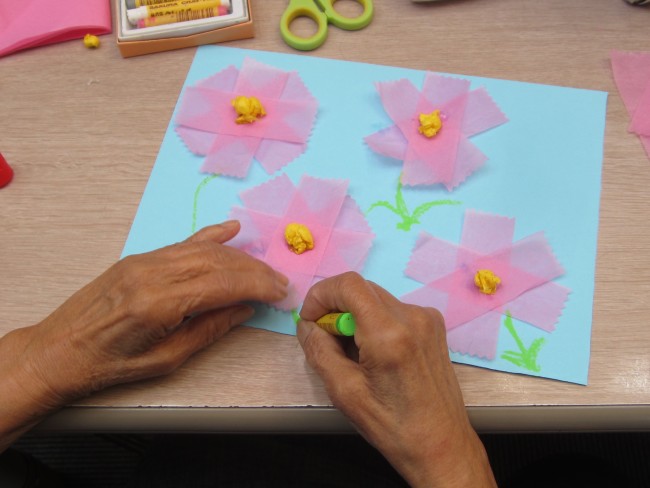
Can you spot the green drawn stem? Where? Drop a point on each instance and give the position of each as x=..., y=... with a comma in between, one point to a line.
x=526, y=357
x=204, y=182
x=401, y=210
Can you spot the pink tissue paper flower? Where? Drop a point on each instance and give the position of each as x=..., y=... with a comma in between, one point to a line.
x=526, y=269
x=632, y=76
x=206, y=119
x=342, y=237
x=448, y=157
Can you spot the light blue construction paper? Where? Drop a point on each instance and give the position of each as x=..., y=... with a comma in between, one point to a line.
x=544, y=170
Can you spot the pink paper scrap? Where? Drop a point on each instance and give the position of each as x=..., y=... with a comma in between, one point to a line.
x=526, y=269
x=632, y=76
x=30, y=23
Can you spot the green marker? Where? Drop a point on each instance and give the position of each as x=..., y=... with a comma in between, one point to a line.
x=340, y=324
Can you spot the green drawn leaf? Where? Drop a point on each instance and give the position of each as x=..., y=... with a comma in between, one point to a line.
x=385, y=204
x=425, y=207
x=400, y=208
x=513, y=357
x=526, y=357
x=533, y=351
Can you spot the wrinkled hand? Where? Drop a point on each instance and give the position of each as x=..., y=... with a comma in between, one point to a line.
x=146, y=315
x=401, y=393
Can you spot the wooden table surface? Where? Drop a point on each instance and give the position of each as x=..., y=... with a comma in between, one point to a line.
x=82, y=129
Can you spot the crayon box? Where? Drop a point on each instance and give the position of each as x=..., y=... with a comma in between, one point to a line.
x=155, y=34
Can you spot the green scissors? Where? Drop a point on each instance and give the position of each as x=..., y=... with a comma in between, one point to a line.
x=322, y=12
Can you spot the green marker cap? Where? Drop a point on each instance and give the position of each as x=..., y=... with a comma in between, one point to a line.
x=345, y=324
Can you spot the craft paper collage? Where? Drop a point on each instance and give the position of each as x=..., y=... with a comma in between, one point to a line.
x=512, y=190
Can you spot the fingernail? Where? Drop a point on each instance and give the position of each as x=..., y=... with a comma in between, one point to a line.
x=229, y=223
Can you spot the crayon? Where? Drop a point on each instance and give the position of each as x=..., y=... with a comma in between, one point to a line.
x=143, y=3
x=340, y=324
x=182, y=17
x=174, y=7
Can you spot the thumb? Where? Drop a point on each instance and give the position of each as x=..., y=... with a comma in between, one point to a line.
x=220, y=233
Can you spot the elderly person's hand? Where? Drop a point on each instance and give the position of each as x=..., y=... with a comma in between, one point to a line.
x=399, y=388
x=143, y=317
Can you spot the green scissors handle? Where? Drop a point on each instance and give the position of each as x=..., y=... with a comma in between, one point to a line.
x=322, y=12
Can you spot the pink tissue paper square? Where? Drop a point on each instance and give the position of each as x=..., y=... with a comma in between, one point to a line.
x=30, y=23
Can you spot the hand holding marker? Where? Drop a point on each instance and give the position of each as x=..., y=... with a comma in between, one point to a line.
x=149, y=13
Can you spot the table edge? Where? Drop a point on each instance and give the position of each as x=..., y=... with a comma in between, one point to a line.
x=328, y=420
